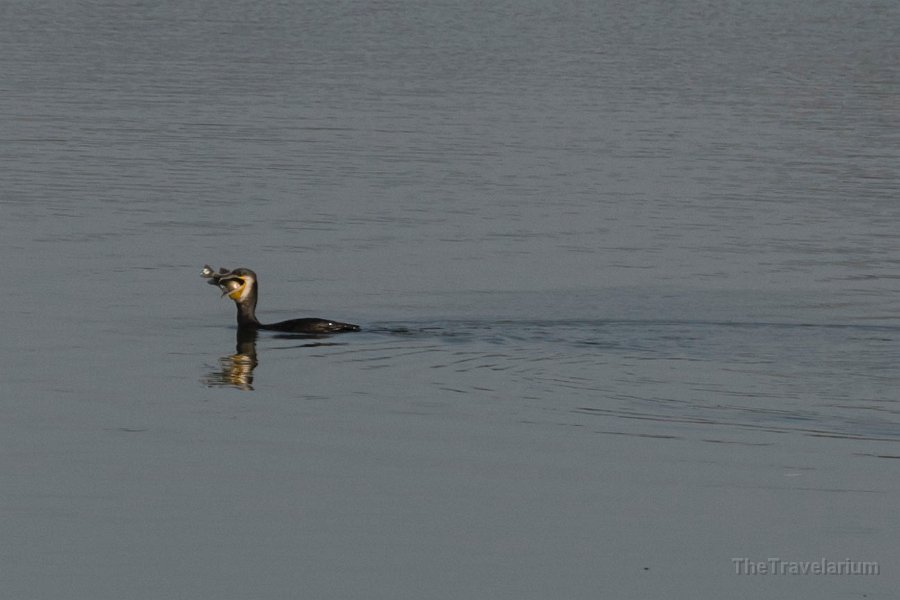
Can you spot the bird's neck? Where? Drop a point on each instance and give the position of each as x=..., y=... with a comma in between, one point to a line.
x=246, y=314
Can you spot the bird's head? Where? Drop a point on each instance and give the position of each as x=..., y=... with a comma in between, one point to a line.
x=238, y=284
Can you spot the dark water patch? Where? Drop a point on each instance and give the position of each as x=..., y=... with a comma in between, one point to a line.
x=890, y=456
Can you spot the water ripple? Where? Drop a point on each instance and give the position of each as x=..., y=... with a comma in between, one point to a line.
x=833, y=379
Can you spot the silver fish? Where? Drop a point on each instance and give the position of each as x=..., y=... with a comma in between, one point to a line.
x=221, y=279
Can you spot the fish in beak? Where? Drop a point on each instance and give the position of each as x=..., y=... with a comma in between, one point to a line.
x=232, y=283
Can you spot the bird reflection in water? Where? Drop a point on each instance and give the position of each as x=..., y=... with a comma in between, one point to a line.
x=236, y=370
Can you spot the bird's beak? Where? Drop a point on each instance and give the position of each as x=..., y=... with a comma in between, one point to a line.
x=232, y=286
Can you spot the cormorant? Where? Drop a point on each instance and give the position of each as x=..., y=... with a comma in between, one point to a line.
x=242, y=286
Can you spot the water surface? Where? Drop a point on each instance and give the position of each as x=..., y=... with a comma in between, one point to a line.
x=627, y=274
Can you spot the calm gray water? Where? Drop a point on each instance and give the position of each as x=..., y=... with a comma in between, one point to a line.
x=627, y=273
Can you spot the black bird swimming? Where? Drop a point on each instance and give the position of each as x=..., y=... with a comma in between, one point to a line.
x=242, y=286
